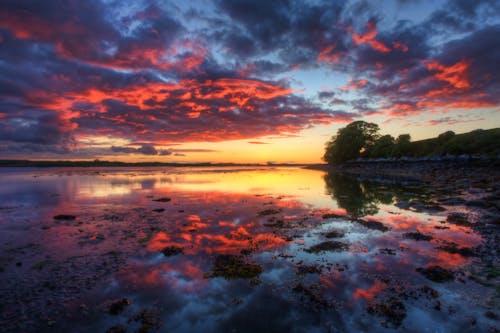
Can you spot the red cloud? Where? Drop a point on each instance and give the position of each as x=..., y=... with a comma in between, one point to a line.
x=327, y=55
x=187, y=111
x=354, y=85
x=403, y=47
x=455, y=75
x=369, y=38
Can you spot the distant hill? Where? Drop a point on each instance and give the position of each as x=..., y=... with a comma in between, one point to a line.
x=478, y=142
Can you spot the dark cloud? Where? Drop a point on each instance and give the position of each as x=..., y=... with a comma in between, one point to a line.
x=145, y=149
x=155, y=76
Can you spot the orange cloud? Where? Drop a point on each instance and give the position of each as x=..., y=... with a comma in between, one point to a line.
x=455, y=75
x=369, y=38
x=327, y=55
x=354, y=85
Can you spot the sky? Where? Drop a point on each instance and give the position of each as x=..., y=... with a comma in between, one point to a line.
x=242, y=81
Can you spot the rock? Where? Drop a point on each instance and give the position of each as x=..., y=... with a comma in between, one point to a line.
x=458, y=219
x=165, y=199
x=453, y=248
x=308, y=269
x=372, y=224
x=313, y=294
x=172, y=250
x=268, y=212
x=436, y=273
x=334, y=246
x=64, y=217
x=429, y=291
x=117, y=306
x=387, y=251
x=231, y=266
x=392, y=310
x=417, y=236
x=490, y=314
x=330, y=216
x=159, y=210
x=426, y=206
x=334, y=234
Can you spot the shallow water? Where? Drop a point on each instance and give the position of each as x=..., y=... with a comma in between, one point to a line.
x=64, y=274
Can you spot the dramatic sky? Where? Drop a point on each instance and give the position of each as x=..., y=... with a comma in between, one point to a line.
x=239, y=80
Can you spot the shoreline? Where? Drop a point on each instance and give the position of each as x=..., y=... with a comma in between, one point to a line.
x=488, y=169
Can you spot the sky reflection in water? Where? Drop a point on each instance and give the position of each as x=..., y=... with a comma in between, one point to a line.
x=268, y=216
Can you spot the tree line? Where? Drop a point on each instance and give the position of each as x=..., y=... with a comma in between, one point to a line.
x=361, y=139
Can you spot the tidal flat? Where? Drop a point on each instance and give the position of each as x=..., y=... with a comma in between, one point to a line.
x=245, y=249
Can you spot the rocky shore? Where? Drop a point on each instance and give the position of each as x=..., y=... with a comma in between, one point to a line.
x=471, y=185
x=485, y=170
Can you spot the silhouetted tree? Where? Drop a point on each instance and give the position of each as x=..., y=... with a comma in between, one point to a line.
x=402, y=146
x=350, y=142
x=383, y=147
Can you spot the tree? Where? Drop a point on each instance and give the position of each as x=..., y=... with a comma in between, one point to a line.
x=350, y=142
x=402, y=147
x=445, y=137
x=383, y=147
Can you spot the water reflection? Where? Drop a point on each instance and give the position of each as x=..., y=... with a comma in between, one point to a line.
x=370, y=237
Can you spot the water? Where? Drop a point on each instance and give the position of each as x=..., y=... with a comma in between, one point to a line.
x=248, y=261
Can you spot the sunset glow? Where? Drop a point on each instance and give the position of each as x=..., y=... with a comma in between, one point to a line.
x=238, y=81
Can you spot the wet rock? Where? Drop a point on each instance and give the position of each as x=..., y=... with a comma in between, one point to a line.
x=149, y=320
x=114, y=217
x=268, y=212
x=333, y=246
x=429, y=291
x=440, y=227
x=117, y=329
x=392, y=310
x=387, y=251
x=490, y=314
x=426, y=206
x=308, y=269
x=313, y=294
x=455, y=249
x=459, y=219
x=330, y=216
x=231, y=266
x=165, y=199
x=275, y=223
x=372, y=224
x=172, y=250
x=117, y=306
x=418, y=236
x=64, y=217
x=334, y=234
x=159, y=210
x=436, y=273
